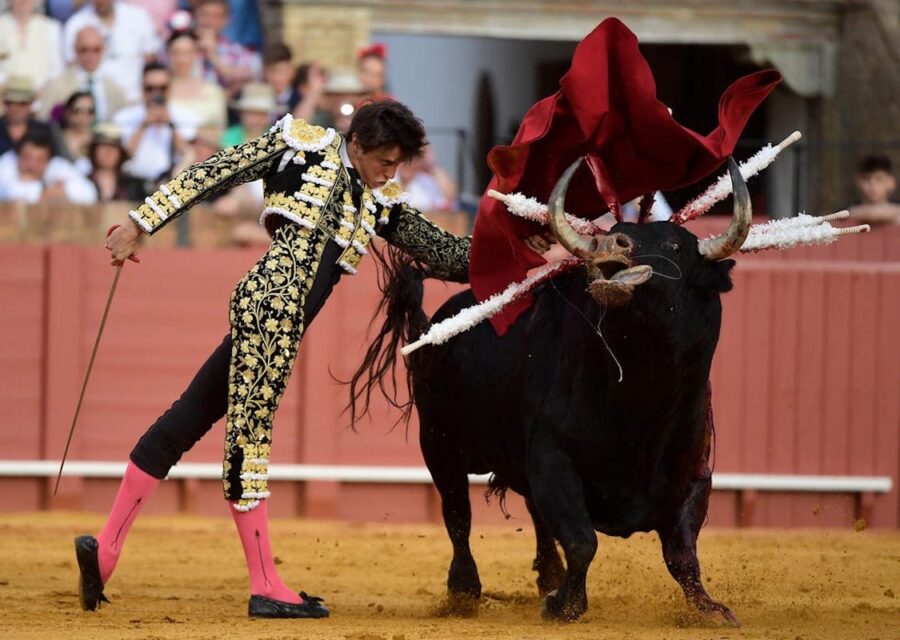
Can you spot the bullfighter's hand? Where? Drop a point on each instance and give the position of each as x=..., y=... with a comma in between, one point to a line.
x=123, y=241
x=540, y=242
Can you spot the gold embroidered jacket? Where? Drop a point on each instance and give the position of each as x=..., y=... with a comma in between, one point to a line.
x=306, y=182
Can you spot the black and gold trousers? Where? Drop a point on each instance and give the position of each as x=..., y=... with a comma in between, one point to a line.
x=267, y=324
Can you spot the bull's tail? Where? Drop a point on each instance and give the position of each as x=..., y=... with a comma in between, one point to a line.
x=400, y=282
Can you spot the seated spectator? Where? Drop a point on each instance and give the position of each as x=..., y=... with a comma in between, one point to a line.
x=228, y=63
x=18, y=99
x=130, y=40
x=256, y=107
x=309, y=84
x=77, y=130
x=107, y=155
x=371, y=69
x=429, y=187
x=156, y=133
x=159, y=11
x=342, y=92
x=31, y=174
x=876, y=183
x=278, y=73
x=190, y=92
x=244, y=26
x=30, y=44
x=84, y=74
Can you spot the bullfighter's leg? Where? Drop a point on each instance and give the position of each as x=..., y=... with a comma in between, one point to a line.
x=558, y=496
x=679, y=546
x=451, y=481
x=547, y=562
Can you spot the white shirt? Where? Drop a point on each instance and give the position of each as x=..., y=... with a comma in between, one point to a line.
x=153, y=156
x=37, y=55
x=78, y=189
x=128, y=41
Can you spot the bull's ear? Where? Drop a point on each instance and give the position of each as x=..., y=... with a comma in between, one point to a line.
x=715, y=276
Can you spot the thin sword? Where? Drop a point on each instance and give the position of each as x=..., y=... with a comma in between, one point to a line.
x=87, y=375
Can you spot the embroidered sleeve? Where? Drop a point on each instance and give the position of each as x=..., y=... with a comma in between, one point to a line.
x=446, y=254
x=232, y=166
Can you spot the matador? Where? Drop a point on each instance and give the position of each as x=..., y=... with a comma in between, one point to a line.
x=326, y=196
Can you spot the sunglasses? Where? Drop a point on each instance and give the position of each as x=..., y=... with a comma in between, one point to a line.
x=89, y=49
x=156, y=88
x=20, y=103
x=83, y=110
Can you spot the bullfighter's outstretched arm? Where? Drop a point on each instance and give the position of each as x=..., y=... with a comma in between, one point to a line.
x=446, y=254
x=203, y=180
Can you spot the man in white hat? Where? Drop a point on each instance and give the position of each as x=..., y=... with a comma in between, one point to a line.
x=18, y=100
x=341, y=96
x=256, y=108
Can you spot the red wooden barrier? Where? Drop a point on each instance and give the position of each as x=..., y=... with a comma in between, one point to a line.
x=805, y=381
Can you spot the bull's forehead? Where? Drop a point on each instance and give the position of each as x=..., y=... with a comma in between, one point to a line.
x=656, y=233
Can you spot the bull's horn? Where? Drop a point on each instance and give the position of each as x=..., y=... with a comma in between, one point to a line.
x=575, y=243
x=730, y=242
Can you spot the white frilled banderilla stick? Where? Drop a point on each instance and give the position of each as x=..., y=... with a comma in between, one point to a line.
x=721, y=189
x=799, y=230
x=467, y=318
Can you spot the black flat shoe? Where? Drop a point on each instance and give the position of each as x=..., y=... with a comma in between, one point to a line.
x=263, y=607
x=90, y=586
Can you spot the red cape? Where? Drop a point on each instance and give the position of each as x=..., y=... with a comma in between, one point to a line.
x=606, y=109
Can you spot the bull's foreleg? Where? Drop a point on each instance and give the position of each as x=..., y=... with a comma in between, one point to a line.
x=679, y=546
x=547, y=562
x=558, y=496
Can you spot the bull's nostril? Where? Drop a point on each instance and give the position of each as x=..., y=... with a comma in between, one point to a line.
x=623, y=241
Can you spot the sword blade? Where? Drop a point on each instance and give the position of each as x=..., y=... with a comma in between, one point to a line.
x=87, y=375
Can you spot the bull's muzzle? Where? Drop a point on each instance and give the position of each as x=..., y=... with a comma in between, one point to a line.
x=608, y=258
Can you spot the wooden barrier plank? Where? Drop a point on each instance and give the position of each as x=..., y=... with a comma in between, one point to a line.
x=887, y=397
x=783, y=364
x=860, y=388
x=22, y=357
x=756, y=438
x=810, y=373
x=837, y=345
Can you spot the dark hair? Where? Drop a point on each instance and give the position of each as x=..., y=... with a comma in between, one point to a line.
x=388, y=123
x=301, y=77
x=875, y=162
x=70, y=103
x=277, y=52
x=42, y=138
x=154, y=66
x=92, y=150
x=186, y=33
x=223, y=3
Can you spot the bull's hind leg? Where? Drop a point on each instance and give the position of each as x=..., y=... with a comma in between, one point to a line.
x=558, y=496
x=679, y=546
x=451, y=481
x=547, y=563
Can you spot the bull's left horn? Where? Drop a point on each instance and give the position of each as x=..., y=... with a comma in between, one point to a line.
x=574, y=243
x=730, y=242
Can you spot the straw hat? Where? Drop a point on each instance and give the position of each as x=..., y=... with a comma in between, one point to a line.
x=256, y=96
x=19, y=89
x=343, y=82
x=107, y=133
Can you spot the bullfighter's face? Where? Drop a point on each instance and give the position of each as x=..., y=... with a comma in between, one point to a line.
x=375, y=166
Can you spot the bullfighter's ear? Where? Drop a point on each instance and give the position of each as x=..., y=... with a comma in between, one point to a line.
x=716, y=276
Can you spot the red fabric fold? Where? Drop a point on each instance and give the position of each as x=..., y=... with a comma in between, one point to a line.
x=606, y=109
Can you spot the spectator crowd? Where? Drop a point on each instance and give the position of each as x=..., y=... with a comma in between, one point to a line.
x=105, y=99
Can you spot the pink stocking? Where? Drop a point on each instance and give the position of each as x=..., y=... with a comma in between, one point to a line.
x=253, y=527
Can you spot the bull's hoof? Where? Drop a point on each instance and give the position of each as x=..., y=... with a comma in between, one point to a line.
x=458, y=605
x=558, y=610
x=710, y=613
x=550, y=576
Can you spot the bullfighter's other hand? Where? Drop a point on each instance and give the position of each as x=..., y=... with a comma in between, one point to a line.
x=540, y=242
x=123, y=241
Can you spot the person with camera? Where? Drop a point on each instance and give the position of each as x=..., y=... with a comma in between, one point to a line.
x=156, y=132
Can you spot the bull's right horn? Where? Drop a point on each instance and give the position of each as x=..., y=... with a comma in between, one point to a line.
x=574, y=243
x=733, y=238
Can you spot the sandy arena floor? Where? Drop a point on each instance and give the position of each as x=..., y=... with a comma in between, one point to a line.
x=184, y=578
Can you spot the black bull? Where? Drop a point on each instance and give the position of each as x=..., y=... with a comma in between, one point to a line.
x=547, y=410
